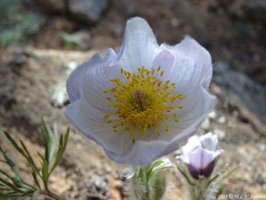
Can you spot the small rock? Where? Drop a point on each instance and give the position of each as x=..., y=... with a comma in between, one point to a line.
x=212, y=115
x=108, y=169
x=262, y=147
x=98, y=185
x=70, y=67
x=59, y=97
x=222, y=120
x=221, y=134
x=175, y=22
x=206, y=124
x=87, y=10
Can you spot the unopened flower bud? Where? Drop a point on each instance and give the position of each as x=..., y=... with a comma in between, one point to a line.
x=200, y=154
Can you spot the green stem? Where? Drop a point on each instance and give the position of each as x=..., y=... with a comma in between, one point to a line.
x=198, y=190
x=52, y=195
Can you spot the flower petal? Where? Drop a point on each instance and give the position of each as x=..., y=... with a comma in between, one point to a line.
x=165, y=60
x=189, y=123
x=96, y=81
x=96, y=128
x=195, y=173
x=217, y=153
x=87, y=113
x=200, y=158
x=193, y=63
x=76, y=77
x=139, y=46
x=192, y=144
x=208, y=169
x=209, y=141
x=142, y=153
x=195, y=106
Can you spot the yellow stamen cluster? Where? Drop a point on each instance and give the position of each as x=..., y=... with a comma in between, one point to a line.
x=141, y=101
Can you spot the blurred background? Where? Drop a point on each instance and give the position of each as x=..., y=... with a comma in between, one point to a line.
x=41, y=41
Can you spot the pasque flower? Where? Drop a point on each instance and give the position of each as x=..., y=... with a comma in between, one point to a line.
x=200, y=154
x=141, y=103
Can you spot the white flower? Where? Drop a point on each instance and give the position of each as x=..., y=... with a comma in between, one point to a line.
x=141, y=103
x=200, y=154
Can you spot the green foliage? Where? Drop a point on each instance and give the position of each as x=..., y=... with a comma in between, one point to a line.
x=149, y=182
x=8, y=37
x=16, y=25
x=75, y=40
x=216, y=184
x=183, y=169
x=12, y=184
x=12, y=187
x=8, y=5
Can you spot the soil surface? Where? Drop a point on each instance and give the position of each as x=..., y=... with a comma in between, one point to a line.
x=32, y=87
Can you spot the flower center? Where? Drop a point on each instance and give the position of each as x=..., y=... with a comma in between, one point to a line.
x=142, y=101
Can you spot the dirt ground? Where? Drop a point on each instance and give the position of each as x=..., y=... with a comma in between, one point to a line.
x=33, y=77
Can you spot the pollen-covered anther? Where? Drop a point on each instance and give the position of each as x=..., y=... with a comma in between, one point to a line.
x=166, y=128
x=142, y=101
x=180, y=97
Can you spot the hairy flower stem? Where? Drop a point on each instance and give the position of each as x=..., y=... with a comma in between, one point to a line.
x=198, y=191
x=149, y=182
x=152, y=188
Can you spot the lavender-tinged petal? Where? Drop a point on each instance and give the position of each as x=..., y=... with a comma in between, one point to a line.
x=192, y=144
x=207, y=158
x=96, y=128
x=201, y=163
x=200, y=158
x=139, y=47
x=165, y=60
x=193, y=63
x=184, y=158
x=195, y=159
x=195, y=108
x=201, y=173
x=218, y=153
x=77, y=76
x=209, y=141
x=97, y=81
x=87, y=113
x=111, y=57
x=189, y=123
x=142, y=153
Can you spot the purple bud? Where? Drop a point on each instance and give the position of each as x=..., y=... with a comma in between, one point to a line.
x=199, y=173
x=200, y=154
